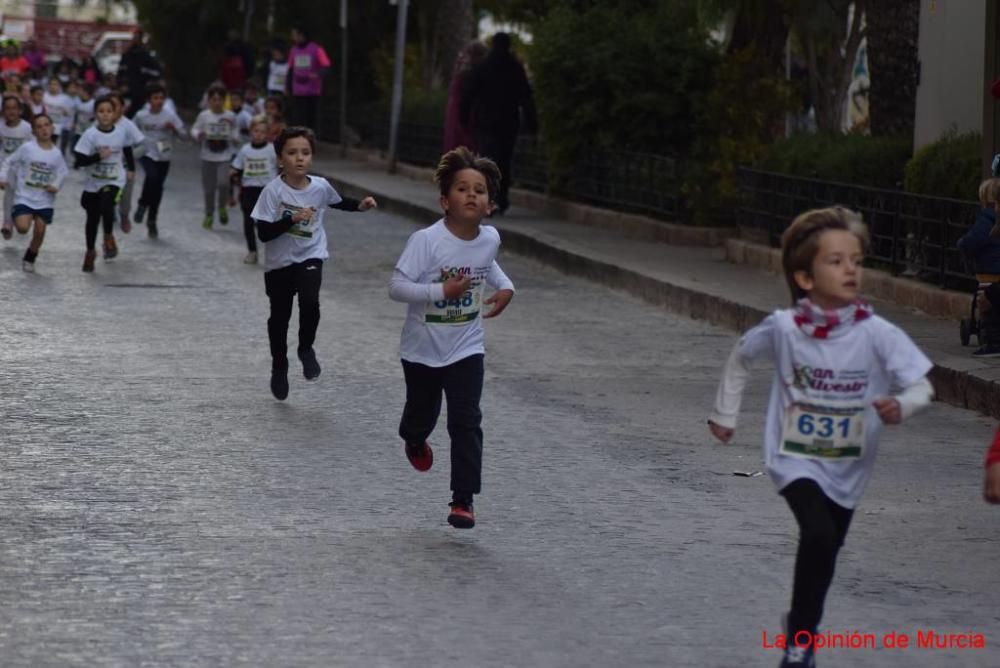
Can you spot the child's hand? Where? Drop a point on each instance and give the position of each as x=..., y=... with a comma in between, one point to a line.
x=105, y=152
x=303, y=214
x=991, y=484
x=500, y=298
x=51, y=189
x=456, y=286
x=888, y=410
x=367, y=203
x=724, y=434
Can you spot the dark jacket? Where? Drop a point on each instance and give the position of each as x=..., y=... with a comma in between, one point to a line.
x=136, y=69
x=979, y=246
x=497, y=92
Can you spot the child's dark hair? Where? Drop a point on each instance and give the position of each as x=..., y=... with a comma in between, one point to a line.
x=291, y=133
x=7, y=98
x=36, y=87
x=800, y=241
x=35, y=118
x=104, y=99
x=155, y=88
x=461, y=158
x=89, y=87
x=216, y=89
x=276, y=101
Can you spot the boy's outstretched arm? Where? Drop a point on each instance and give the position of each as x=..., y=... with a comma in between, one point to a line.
x=504, y=287
x=893, y=410
x=729, y=395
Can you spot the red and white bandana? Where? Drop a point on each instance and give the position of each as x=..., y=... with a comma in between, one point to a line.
x=829, y=323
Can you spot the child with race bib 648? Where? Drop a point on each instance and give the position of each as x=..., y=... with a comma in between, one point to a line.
x=835, y=364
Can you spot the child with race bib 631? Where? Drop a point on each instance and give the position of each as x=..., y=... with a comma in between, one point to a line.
x=835, y=364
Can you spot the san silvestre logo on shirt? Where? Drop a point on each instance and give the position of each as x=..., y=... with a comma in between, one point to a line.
x=830, y=380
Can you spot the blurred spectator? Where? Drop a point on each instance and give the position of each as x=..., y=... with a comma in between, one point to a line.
x=137, y=69
x=34, y=55
x=13, y=62
x=455, y=133
x=307, y=63
x=982, y=244
x=89, y=72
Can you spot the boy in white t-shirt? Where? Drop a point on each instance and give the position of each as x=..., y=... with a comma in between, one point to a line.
x=136, y=139
x=835, y=364
x=441, y=275
x=255, y=165
x=216, y=129
x=41, y=170
x=289, y=215
x=61, y=108
x=161, y=127
x=14, y=131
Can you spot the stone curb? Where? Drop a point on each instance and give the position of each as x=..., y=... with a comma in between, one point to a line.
x=952, y=386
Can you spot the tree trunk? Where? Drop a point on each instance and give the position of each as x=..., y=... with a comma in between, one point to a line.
x=893, y=31
x=830, y=54
x=445, y=27
x=759, y=25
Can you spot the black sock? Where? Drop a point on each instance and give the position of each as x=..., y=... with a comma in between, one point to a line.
x=461, y=497
x=30, y=255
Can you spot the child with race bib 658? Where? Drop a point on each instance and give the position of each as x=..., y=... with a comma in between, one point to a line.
x=835, y=363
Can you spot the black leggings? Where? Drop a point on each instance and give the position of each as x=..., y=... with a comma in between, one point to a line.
x=823, y=526
x=100, y=208
x=152, y=186
x=248, y=199
x=281, y=286
x=462, y=384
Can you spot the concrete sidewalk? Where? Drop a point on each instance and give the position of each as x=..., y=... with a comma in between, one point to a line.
x=693, y=281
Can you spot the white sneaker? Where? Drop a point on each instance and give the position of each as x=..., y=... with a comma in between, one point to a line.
x=251, y=258
x=28, y=266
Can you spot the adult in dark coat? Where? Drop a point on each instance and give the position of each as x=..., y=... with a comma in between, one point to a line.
x=495, y=101
x=137, y=68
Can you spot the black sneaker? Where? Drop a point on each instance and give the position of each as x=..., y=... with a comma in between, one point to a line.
x=279, y=382
x=310, y=367
x=154, y=233
x=798, y=657
x=140, y=213
x=989, y=350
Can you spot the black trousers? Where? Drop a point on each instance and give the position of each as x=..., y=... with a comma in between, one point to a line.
x=305, y=110
x=152, y=187
x=100, y=208
x=498, y=146
x=823, y=526
x=281, y=286
x=462, y=385
x=248, y=199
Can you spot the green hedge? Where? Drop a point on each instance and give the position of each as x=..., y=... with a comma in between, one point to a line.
x=949, y=167
x=877, y=162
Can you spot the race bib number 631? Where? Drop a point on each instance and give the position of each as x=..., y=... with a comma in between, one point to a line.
x=826, y=430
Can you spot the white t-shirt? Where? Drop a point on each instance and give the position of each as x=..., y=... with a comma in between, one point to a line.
x=259, y=165
x=36, y=168
x=440, y=332
x=243, y=119
x=133, y=134
x=277, y=75
x=221, y=135
x=159, y=140
x=822, y=393
x=84, y=113
x=306, y=240
x=61, y=109
x=109, y=171
x=13, y=137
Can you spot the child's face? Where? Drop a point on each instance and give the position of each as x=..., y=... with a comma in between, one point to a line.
x=84, y=94
x=215, y=103
x=42, y=128
x=258, y=133
x=105, y=114
x=37, y=96
x=236, y=102
x=54, y=86
x=270, y=108
x=71, y=89
x=468, y=199
x=296, y=156
x=277, y=55
x=251, y=96
x=156, y=101
x=11, y=112
x=835, y=279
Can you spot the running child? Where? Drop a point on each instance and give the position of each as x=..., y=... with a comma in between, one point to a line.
x=274, y=110
x=135, y=139
x=252, y=101
x=216, y=129
x=61, y=109
x=243, y=114
x=106, y=149
x=41, y=170
x=277, y=72
x=289, y=215
x=835, y=364
x=36, y=100
x=84, y=110
x=13, y=132
x=160, y=127
x=255, y=165
x=441, y=276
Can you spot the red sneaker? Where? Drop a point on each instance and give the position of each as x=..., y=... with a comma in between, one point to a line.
x=420, y=455
x=461, y=515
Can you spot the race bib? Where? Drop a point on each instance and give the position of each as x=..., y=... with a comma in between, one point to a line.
x=458, y=311
x=303, y=62
x=304, y=229
x=256, y=167
x=164, y=148
x=10, y=144
x=107, y=171
x=278, y=81
x=824, y=430
x=218, y=130
x=40, y=175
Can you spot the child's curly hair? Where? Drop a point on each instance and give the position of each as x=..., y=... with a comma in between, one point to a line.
x=461, y=158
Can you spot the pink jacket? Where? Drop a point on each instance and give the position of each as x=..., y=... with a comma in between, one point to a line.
x=306, y=65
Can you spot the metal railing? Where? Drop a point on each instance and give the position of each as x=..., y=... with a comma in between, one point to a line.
x=912, y=235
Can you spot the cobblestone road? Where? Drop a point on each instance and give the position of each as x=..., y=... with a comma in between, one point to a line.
x=158, y=507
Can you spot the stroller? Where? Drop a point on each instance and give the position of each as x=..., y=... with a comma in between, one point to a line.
x=973, y=325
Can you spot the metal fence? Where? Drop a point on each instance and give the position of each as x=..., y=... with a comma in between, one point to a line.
x=913, y=235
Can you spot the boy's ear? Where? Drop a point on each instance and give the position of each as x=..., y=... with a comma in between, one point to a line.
x=444, y=203
x=803, y=280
